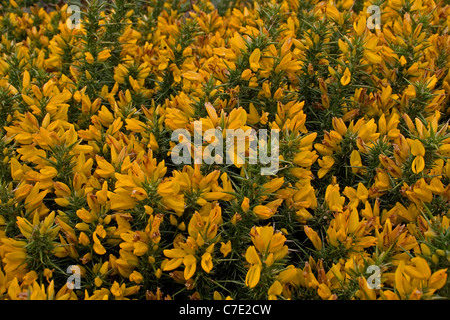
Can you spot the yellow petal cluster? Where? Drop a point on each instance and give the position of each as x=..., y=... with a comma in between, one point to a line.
x=356, y=207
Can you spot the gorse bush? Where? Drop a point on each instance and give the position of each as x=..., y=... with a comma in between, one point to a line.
x=88, y=109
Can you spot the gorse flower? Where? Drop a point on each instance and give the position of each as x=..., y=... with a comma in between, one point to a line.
x=355, y=180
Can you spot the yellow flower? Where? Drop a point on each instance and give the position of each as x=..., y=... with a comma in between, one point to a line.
x=402, y=61
x=417, y=148
x=84, y=239
x=30, y=277
x=104, y=55
x=117, y=290
x=314, y=237
x=368, y=293
x=193, y=76
x=105, y=169
x=345, y=79
x=89, y=58
x=87, y=151
x=98, y=247
x=273, y=185
x=333, y=198
x=245, y=205
x=206, y=262
x=438, y=279
x=332, y=12
x=268, y=241
x=418, y=151
x=323, y=291
x=246, y=74
x=253, y=276
x=225, y=248
x=252, y=256
x=372, y=57
x=410, y=91
x=263, y=212
x=275, y=290
x=355, y=161
x=420, y=270
x=190, y=263
x=326, y=163
x=343, y=46
x=360, y=25
x=254, y=60
x=136, y=277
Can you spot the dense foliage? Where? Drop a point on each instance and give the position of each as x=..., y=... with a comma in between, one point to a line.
x=87, y=112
